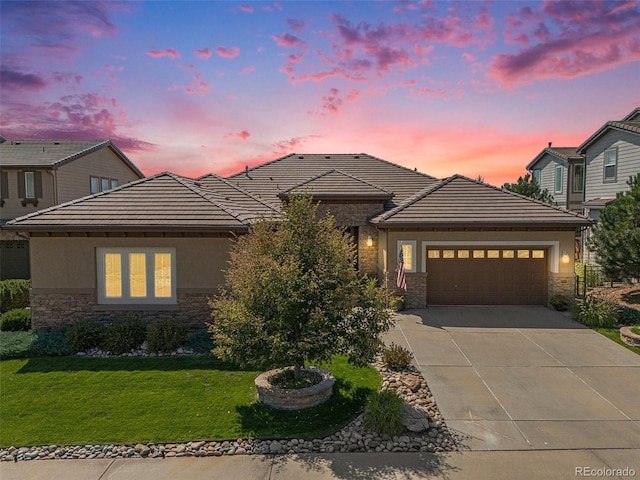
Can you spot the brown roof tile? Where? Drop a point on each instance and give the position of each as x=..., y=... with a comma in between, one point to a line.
x=459, y=200
x=270, y=179
x=626, y=126
x=165, y=201
x=336, y=184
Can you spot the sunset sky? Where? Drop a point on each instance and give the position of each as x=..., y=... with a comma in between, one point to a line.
x=477, y=88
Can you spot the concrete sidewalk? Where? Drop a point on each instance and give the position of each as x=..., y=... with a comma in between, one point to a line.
x=496, y=465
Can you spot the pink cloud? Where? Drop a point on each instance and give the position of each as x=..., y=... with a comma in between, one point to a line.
x=287, y=40
x=197, y=86
x=228, y=52
x=168, y=52
x=284, y=147
x=203, y=53
x=18, y=81
x=248, y=70
x=243, y=135
x=573, y=39
x=245, y=8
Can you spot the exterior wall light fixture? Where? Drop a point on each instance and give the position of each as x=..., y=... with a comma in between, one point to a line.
x=369, y=241
x=565, y=257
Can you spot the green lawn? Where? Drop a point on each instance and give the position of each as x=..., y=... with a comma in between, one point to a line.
x=614, y=334
x=76, y=400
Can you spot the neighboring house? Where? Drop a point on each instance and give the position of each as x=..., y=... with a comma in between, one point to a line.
x=158, y=247
x=560, y=170
x=612, y=155
x=36, y=174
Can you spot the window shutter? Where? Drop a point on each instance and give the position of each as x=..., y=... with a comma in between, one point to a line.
x=4, y=186
x=38, y=184
x=21, y=192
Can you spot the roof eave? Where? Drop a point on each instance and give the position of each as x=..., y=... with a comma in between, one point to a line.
x=529, y=223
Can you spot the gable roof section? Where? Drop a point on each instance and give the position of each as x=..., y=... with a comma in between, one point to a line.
x=623, y=126
x=336, y=185
x=564, y=154
x=271, y=178
x=633, y=116
x=460, y=201
x=53, y=154
x=163, y=202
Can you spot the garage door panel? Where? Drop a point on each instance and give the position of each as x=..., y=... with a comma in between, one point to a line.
x=480, y=280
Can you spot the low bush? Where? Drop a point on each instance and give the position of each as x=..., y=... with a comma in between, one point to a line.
x=396, y=303
x=628, y=315
x=83, y=335
x=383, y=413
x=560, y=302
x=166, y=335
x=596, y=311
x=14, y=294
x=15, y=344
x=16, y=320
x=200, y=341
x=52, y=343
x=396, y=357
x=123, y=335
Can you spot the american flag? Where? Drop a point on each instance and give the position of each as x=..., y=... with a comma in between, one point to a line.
x=402, y=281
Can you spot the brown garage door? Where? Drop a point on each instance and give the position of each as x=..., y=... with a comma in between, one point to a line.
x=486, y=276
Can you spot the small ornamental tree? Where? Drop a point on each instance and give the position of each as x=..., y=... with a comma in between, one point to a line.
x=616, y=236
x=529, y=187
x=294, y=296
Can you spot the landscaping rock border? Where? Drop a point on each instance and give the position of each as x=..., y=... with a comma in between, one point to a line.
x=430, y=434
x=629, y=337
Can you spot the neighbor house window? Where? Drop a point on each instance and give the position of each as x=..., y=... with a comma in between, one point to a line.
x=578, y=178
x=558, y=179
x=610, y=164
x=114, y=183
x=536, y=175
x=29, y=187
x=409, y=253
x=136, y=275
x=104, y=184
x=95, y=184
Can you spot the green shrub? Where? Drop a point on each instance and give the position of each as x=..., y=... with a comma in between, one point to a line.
x=15, y=344
x=123, y=335
x=383, y=413
x=52, y=343
x=83, y=335
x=16, y=320
x=560, y=302
x=396, y=357
x=14, y=294
x=166, y=335
x=628, y=315
x=396, y=303
x=596, y=311
x=200, y=341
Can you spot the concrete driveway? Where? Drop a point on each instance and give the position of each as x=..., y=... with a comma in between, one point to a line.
x=514, y=378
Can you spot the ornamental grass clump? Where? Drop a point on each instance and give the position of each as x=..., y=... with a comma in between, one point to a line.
x=396, y=357
x=383, y=413
x=597, y=311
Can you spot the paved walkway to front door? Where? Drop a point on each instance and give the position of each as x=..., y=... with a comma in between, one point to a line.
x=513, y=378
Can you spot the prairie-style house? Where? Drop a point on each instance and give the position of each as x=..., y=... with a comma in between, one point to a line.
x=36, y=174
x=158, y=247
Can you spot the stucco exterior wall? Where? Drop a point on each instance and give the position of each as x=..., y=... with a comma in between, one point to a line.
x=64, y=283
x=13, y=207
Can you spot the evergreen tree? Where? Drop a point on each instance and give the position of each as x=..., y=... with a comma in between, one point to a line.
x=616, y=237
x=528, y=187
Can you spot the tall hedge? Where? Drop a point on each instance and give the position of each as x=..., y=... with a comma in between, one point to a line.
x=14, y=294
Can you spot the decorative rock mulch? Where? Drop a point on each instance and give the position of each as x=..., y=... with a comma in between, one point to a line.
x=427, y=432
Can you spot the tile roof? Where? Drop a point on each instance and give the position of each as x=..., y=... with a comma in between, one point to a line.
x=630, y=116
x=165, y=201
x=53, y=153
x=338, y=185
x=563, y=153
x=625, y=126
x=271, y=178
x=458, y=201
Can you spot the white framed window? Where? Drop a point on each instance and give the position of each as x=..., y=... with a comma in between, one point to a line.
x=558, y=179
x=408, y=248
x=536, y=175
x=104, y=184
x=578, y=178
x=136, y=275
x=29, y=185
x=610, y=164
x=94, y=184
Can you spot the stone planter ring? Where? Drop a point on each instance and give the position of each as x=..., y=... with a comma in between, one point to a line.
x=294, y=398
